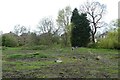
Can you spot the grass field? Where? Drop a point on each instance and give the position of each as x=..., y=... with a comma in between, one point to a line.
x=79, y=63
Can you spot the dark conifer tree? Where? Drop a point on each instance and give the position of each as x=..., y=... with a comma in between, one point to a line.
x=80, y=33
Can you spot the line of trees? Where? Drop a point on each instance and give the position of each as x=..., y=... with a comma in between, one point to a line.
x=73, y=28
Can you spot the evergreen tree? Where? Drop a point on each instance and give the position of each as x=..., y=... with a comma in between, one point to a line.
x=80, y=33
x=75, y=24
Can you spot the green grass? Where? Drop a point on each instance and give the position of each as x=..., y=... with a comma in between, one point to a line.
x=12, y=48
x=75, y=63
x=19, y=65
x=30, y=55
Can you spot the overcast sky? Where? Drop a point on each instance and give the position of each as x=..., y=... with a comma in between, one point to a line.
x=29, y=12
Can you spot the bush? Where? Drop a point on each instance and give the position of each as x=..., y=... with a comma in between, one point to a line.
x=92, y=45
x=9, y=40
x=110, y=42
x=4, y=48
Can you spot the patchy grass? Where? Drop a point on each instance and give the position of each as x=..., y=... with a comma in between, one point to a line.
x=79, y=63
x=30, y=55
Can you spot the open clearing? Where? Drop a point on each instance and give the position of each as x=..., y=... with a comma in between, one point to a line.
x=80, y=63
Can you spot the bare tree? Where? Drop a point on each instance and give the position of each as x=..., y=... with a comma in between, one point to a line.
x=18, y=29
x=114, y=25
x=63, y=18
x=23, y=29
x=95, y=12
x=46, y=29
x=46, y=25
x=63, y=21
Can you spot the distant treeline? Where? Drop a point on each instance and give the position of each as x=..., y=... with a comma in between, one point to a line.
x=74, y=28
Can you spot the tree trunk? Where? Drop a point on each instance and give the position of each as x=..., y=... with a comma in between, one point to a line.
x=65, y=39
x=93, y=38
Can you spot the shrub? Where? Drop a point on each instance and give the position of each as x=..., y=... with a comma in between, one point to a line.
x=110, y=42
x=9, y=40
x=92, y=45
x=4, y=48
